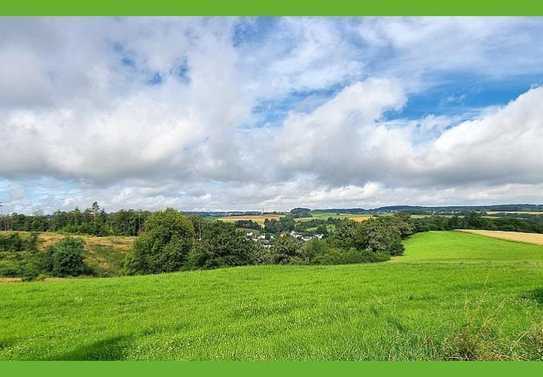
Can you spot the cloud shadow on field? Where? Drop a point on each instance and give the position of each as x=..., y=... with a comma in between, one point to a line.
x=107, y=349
x=5, y=343
x=535, y=295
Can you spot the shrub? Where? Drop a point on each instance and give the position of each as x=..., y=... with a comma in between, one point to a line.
x=9, y=267
x=32, y=266
x=350, y=256
x=167, y=238
x=65, y=258
x=15, y=242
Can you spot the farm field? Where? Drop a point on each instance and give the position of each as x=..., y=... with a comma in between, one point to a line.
x=463, y=247
x=428, y=305
x=533, y=238
x=326, y=215
x=256, y=218
x=315, y=215
x=104, y=254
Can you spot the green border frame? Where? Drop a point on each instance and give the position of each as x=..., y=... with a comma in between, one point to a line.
x=261, y=369
x=271, y=7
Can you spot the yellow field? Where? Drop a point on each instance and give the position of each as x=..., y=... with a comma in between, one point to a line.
x=118, y=243
x=256, y=218
x=359, y=218
x=533, y=238
x=515, y=212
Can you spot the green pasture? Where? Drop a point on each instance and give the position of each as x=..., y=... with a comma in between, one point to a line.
x=452, y=296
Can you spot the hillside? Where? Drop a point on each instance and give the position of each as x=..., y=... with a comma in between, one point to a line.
x=429, y=304
x=104, y=254
x=527, y=208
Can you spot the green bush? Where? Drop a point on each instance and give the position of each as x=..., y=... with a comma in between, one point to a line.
x=167, y=238
x=15, y=242
x=350, y=256
x=65, y=258
x=9, y=267
x=32, y=266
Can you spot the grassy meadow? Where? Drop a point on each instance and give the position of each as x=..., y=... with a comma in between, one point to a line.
x=452, y=296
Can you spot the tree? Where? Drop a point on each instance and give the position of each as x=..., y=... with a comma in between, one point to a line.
x=222, y=245
x=300, y=212
x=66, y=258
x=379, y=235
x=313, y=249
x=167, y=238
x=475, y=220
x=344, y=235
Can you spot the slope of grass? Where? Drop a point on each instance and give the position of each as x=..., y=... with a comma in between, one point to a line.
x=419, y=308
x=464, y=247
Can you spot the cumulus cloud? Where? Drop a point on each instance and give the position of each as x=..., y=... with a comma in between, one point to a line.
x=342, y=140
x=182, y=112
x=345, y=141
x=500, y=147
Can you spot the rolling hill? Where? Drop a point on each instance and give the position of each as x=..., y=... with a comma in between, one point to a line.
x=452, y=296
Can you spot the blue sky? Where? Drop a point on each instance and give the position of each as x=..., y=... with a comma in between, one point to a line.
x=269, y=113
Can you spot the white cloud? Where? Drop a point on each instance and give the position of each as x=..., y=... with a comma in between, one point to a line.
x=81, y=121
x=502, y=147
x=344, y=142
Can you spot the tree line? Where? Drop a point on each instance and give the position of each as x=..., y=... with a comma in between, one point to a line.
x=477, y=220
x=171, y=241
x=94, y=221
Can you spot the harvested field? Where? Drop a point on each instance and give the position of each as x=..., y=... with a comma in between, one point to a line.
x=359, y=218
x=533, y=238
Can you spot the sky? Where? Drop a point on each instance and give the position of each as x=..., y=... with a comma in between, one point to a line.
x=221, y=113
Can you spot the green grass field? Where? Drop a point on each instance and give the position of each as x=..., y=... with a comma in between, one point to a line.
x=453, y=295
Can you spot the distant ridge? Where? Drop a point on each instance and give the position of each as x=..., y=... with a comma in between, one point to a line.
x=394, y=208
x=438, y=209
